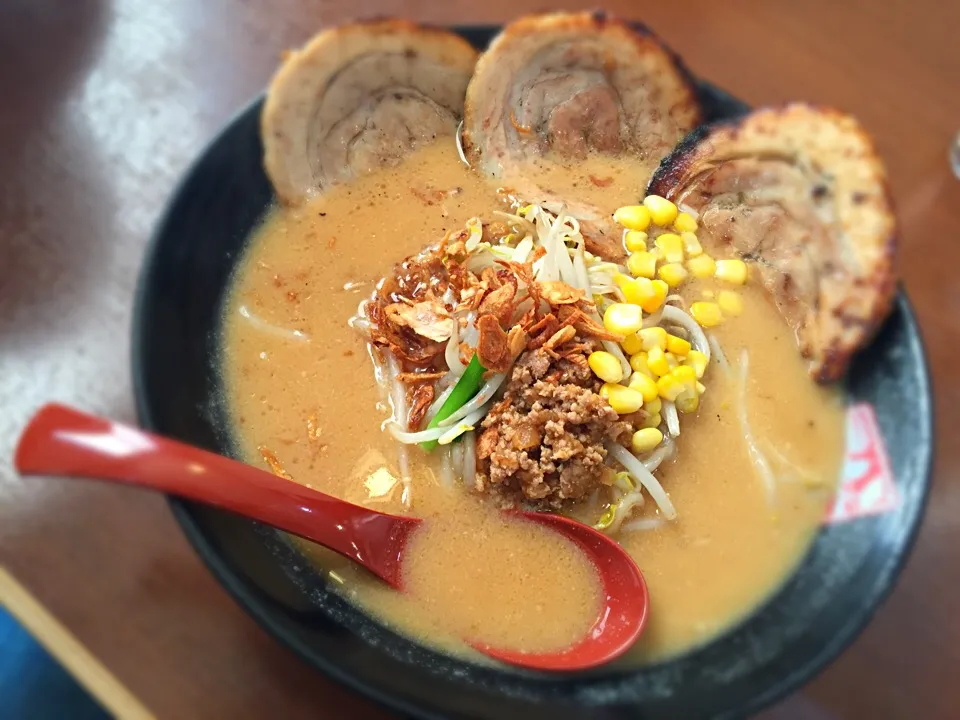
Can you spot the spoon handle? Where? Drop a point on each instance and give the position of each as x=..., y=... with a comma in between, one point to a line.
x=66, y=442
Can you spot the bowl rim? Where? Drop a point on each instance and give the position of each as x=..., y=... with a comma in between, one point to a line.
x=258, y=607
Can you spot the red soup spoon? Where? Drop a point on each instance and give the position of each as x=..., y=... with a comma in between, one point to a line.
x=66, y=442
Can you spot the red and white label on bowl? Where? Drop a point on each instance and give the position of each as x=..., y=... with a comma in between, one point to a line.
x=866, y=482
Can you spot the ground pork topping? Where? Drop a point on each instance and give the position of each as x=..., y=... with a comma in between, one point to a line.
x=543, y=443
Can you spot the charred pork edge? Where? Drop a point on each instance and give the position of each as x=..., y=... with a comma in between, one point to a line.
x=674, y=169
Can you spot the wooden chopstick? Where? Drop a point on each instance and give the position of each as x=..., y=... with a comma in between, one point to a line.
x=70, y=652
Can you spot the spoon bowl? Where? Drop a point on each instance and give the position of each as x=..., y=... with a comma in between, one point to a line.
x=623, y=613
x=65, y=442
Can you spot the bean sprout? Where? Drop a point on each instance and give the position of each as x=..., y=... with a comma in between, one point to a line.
x=443, y=434
x=623, y=510
x=263, y=326
x=654, y=319
x=676, y=301
x=460, y=152
x=643, y=524
x=486, y=392
x=456, y=457
x=614, y=349
x=452, y=352
x=522, y=223
x=580, y=269
x=656, y=458
x=678, y=316
x=470, y=458
x=466, y=425
x=438, y=403
x=673, y=420
x=564, y=263
x=756, y=456
x=719, y=354
x=446, y=467
x=471, y=336
x=398, y=401
x=523, y=249
x=806, y=476
x=643, y=476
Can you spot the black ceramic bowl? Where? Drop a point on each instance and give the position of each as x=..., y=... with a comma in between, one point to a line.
x=838, y=586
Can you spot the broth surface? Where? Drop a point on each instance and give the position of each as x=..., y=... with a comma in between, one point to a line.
x=300, y=386
x=601, y=181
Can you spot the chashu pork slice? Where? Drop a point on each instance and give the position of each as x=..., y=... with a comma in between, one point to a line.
x=360, y=96
x=800, y=192
x=569, y=83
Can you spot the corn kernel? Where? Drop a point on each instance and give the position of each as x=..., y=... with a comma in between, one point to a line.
x=628, y=288
x=638, y=363
x=684, y=223
x=652, y=337
x=701, y=388
x=702, y=266
x=673, y=274
x=605, y=366
x=646, y=440
x=631, y=344
x=691, y=245
x=645, y=385
x=660, y=290
x=605, y=390
x=662, y=211
x=652, y=420
x=698, y=361
x=633, y=217
x=623, y=318
x=657, y=361
x=678, y=346
x=688, y=403
x=623, y=399
x=653, y=406
x=733, y=271
x=669, y=388
x=648, y=294
x=642, y=264
x=707, y=314
x=730, y=302
x=620, y=279
x=671, y=247
x=638, y=291
x=635, y=240
x=672, y=361
x=686, y=375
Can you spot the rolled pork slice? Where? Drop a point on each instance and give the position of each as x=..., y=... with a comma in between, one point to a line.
x=568, y=84
x=800, y=193
x=358, y=97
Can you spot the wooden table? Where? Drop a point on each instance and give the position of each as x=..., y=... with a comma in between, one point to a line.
x=105, y=104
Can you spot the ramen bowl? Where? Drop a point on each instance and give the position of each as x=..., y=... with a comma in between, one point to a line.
x=838, y=585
